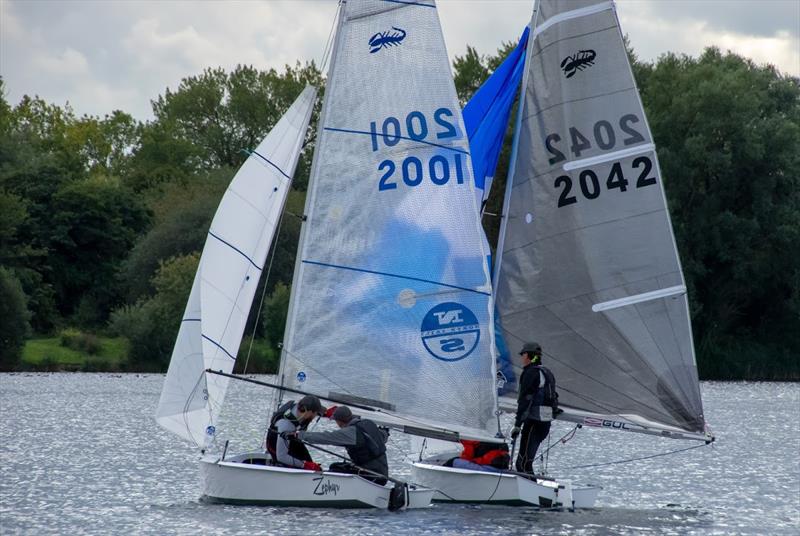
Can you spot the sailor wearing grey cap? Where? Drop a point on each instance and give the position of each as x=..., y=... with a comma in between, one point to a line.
x=364, y=441
x=536, y=405
x=289, y=418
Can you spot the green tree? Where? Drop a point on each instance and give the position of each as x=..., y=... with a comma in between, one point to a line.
x=14, y=327
x=215, y=117
x=275, y=310
x=470, y=71
x=727, y=133
x=182, y=214
x=151, y=325
x=93, y=226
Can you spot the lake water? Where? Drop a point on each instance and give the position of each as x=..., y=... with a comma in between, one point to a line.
x=81, y=454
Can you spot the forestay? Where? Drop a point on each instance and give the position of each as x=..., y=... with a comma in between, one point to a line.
x=391, y=297
x=589, y=266
x=227, y=276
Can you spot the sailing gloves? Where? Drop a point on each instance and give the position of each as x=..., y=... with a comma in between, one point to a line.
x=514, y=432
x=312, y=466
x=329, y=412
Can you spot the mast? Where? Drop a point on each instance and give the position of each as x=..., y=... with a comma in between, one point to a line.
x=310, y=192
x=512, y=167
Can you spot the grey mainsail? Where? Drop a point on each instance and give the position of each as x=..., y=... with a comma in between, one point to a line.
x=587, y=262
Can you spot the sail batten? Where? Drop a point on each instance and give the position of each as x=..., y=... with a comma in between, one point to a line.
x=227, y=276
x=588, y=265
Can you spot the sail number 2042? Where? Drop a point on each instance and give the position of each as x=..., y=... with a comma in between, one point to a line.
x=607, y=138
x=589, y=182
x=412, y=171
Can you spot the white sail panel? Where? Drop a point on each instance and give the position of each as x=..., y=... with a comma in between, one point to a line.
x=391, y=297
x=589, y=266
x=230, y=268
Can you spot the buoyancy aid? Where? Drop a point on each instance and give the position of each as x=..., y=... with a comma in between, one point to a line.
x=296, y=448
x=370, y=443
x=494, y=454
x=547, y=395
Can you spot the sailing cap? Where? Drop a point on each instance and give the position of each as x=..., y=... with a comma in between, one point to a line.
x=531, y=347
x=342, y=414
x=311, y=402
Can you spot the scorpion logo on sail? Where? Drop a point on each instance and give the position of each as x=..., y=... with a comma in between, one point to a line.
x=578, y=62
x=386, y=39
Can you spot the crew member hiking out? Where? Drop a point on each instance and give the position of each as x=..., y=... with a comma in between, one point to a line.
x=292, y=417
x=536, y=405
x=364, y=441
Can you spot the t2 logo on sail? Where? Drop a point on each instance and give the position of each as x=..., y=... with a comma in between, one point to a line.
x=450, y=331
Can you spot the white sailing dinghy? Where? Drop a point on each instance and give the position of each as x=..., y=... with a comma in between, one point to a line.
x=209, y=337
x=587, y=263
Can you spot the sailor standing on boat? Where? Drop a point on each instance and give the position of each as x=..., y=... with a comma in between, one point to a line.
x=364, y=441
x=292, y=417
x=536, y=405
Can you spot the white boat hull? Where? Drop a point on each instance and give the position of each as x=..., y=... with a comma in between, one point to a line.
x=234, y=482
x=468, y=486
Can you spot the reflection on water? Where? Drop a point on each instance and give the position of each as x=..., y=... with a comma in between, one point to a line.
x=81, y=454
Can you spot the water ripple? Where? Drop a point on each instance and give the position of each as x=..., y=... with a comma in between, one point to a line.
x=81, y=454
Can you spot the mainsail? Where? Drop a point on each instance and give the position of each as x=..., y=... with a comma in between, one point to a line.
x=226, y=280
x=588, y=265
x=391, y=300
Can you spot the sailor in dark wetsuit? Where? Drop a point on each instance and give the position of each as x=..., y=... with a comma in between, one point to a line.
x=364, y=441
x=536, y=406
x=292, y=417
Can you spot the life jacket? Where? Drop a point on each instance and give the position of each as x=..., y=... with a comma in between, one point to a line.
x=544, y=396
x=296, y=448
x=494, y=454
x=547, y=393
x=370, y=443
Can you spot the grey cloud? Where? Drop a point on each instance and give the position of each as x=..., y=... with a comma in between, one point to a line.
x=763, y=18
x=106, y=55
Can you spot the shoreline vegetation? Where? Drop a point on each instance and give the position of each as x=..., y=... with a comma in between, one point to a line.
x=102, y=219
x=110, y=354
x=74, y=351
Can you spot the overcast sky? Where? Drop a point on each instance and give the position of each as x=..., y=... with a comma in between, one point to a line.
x=119, y=54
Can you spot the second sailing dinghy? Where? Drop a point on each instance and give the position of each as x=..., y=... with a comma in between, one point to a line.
x=587, y=263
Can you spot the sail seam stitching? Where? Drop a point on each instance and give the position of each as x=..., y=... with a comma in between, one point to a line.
x=382, y=135
x=395, y=275
x=548, y=237
x=556, y=41
x=542, y=110
x=573, y=14
x=408, y=2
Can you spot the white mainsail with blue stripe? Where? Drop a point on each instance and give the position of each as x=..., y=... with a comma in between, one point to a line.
x=391, y=301
x=226, y=280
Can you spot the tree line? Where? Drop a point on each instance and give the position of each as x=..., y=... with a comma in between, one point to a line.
x=102, y=220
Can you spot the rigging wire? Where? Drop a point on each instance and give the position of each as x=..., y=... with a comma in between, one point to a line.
x=639, y=458
x=264, y=290
x=326, y=52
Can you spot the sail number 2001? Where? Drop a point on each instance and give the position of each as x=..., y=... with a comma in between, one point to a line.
x=412, y=171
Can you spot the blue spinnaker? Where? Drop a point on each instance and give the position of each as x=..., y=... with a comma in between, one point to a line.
x=486, y=116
